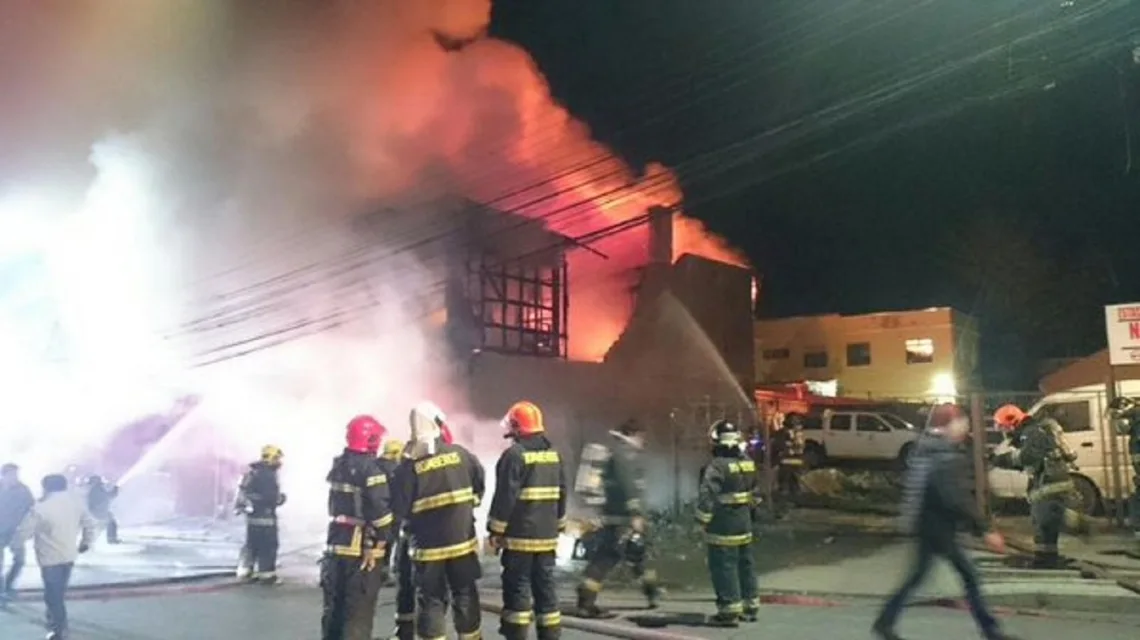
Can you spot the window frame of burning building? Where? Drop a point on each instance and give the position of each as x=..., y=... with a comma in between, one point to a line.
x=515, y=285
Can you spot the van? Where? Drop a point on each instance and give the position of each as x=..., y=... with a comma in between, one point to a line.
x=1089, y=433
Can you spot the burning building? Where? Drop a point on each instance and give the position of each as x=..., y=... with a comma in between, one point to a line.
x=208, y=239
x=686, y=339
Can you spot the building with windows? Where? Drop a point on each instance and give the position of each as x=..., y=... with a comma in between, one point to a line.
x=928, y=353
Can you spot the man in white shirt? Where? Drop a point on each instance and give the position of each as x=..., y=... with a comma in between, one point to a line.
x=60, y=529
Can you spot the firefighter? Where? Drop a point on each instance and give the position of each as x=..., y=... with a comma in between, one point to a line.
x=528, y=511
x=100, y=494
x=435, y=494
x=1125, y=416
x=1044, y=455
x=360, y=518
x=390, y=457
x=405, y=583
x=726, y=506
x=788, y=456
x=258, y=498
x=622, y=537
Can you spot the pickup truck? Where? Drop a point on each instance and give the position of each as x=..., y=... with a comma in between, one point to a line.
x=857, y=436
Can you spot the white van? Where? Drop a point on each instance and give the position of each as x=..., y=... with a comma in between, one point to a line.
x=1081, y=413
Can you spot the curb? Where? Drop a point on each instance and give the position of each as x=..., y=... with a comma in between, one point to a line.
x=200, y=583
x=156, y=590
x=961, y=605
x=609, y=629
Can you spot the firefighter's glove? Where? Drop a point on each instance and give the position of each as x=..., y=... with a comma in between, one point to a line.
x=369, y=561
x=495, y=544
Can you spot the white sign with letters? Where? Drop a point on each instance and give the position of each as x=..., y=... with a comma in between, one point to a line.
x=1123, y=324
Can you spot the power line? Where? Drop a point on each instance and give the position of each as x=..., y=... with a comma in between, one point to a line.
x=849, y=105
x=692, y=79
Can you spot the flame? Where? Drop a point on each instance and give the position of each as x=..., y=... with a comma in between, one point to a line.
x=368, y=100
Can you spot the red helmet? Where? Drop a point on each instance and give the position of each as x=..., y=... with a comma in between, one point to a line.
x=364, y=434
x=1009, y=417
x=524, y=419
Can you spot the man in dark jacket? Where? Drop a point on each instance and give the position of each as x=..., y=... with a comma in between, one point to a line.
x=391, y=453
x=936, y=503
x=1041, y=451
x=527, y=513
x=726, y=510
x=360, y=519
x=622, y=537
x=100, y=494
x=435, y=494
x=258, y=498
x=16, y=501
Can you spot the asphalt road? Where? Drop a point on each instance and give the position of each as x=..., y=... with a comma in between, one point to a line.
x=292, y=613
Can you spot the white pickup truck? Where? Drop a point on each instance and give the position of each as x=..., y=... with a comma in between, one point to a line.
x=857, y=435
x=1081, y=413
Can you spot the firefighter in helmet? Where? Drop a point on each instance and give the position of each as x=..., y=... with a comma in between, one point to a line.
x=390, y=456
x=258, y=497
x=101, y=492
x=624, y=530
x=726, y=508
x=1125, y=416
x=1041, y=451
x=405, y=580
x=527, y=513
x=434, y=495
x=360, y=517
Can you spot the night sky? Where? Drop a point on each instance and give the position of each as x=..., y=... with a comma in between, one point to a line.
x=874, y=155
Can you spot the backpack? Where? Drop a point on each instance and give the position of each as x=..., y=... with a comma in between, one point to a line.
x=590, y=482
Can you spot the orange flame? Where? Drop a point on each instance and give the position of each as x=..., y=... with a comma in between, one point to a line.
x=412, y=92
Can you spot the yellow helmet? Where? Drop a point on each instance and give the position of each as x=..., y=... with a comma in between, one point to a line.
x=271, y=454
x=392, y=449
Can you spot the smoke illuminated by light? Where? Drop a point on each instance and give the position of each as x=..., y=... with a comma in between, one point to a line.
x=209, y=250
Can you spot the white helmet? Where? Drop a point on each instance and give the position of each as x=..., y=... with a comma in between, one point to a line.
x=425, y=421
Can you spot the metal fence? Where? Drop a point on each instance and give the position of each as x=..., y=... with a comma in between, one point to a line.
x=1102, y=473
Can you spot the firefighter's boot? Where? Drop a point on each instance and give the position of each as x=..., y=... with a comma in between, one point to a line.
x=653, y=593
x=404, y=631
x=588, y=604
x=724, y=620
x=1046, y=560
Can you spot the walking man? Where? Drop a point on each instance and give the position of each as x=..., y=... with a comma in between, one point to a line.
x=60, y=529
x=624, y=530
x=937, y=500
x=16, y=501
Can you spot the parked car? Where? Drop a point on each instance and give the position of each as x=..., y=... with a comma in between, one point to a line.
x=857, y=435
x=1081, y=413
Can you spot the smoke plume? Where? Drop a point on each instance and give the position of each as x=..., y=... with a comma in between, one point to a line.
x=210, y=161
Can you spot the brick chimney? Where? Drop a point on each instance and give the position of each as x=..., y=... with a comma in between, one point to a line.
x=660, y=236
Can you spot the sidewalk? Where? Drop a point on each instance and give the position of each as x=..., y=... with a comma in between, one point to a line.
x=293, y=613
x=876, y=571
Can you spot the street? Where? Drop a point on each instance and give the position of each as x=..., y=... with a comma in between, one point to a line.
x=293, y=613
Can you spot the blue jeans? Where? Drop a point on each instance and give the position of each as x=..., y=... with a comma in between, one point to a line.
x=929, y=549
x=56, y=579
